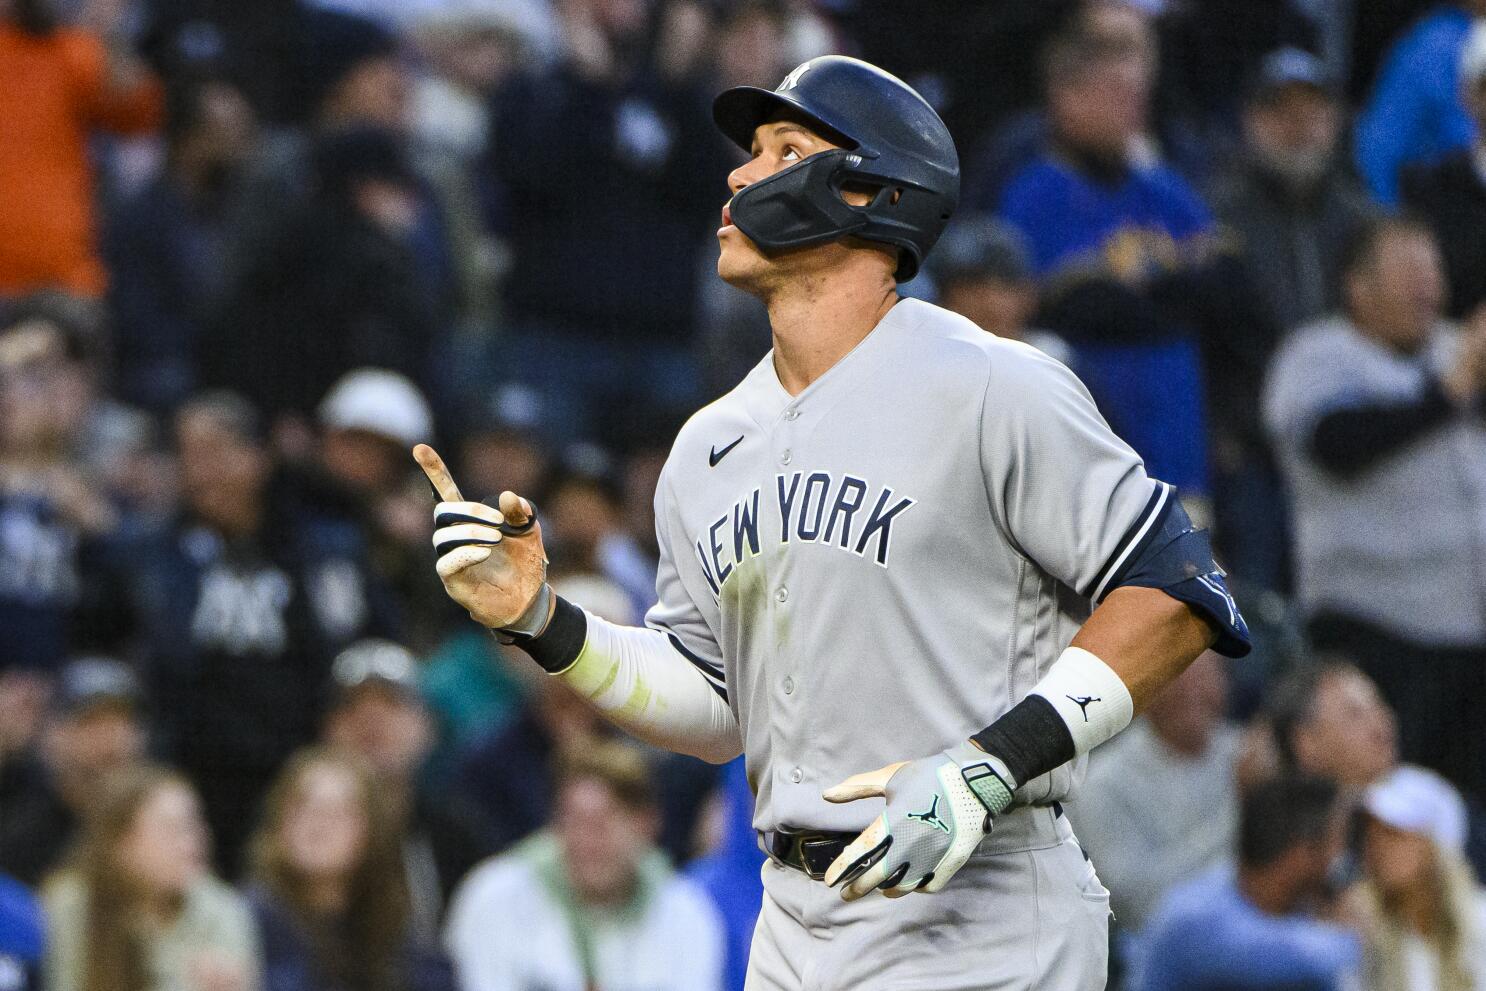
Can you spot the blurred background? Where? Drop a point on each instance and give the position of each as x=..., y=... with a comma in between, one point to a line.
x=251, y=252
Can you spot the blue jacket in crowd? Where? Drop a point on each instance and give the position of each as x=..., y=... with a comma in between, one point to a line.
x=1107, y=243
x=731, y=875
x=21, y=937
x=1207, y=935
x=1415, y=113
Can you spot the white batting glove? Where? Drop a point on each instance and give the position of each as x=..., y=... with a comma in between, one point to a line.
x=939, y=808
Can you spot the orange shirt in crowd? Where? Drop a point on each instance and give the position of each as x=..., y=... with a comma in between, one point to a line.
x=54, y=90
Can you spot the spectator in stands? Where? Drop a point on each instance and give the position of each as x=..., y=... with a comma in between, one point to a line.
x=1415, y=112
x=583, y=502
x=1288, y=201
x=503, y=443
x=1209, y=53
x=751, y=44
x=983, y=271
x=1111, y=28
x=1371, y=411
x=1450, y=193
x=258, y=45
x=63, y=82
x=369, y=421
x=1289, y=211
x=610, y=148
x=589, y=902
x=329, y=888
x=473, y=690
x=138, y=909
x=1254, y=926
x=507, y=774
x=1160, y=804
x=54, y=514
x=241, y=603
x=377, y=715
x=166, y=245
x=348, y=75
x=96, y=729
x=469, y=48
x=23, y=707
x=339, y=285
x=22, y=934
x=1109, y=232
x=1327, y=719
x=1426, y=915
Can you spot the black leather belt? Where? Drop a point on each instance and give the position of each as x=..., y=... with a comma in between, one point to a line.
x=813, y=851
x=810, y=852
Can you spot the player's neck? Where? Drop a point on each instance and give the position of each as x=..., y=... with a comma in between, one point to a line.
x=816, y=323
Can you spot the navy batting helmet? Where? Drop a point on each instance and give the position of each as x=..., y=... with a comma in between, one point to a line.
x=891, y=140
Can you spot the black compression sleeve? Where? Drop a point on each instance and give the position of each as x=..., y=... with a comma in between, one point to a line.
x=1350, y=441
x=1031, y=739
x=561, y=643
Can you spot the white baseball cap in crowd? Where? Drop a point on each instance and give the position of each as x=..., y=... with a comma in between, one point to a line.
x=380, y=402
x=1473, y=55
x=1417, y=800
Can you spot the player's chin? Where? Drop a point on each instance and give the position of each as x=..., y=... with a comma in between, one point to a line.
x=739, y=261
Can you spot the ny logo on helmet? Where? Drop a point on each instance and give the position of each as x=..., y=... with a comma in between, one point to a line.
x=793, y=79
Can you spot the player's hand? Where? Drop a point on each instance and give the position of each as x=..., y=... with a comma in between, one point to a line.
x=495, y=574
x=939, y=808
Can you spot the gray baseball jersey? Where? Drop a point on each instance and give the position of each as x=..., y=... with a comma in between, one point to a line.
x=884, y=564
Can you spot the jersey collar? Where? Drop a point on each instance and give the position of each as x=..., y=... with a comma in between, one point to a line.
x=767, y=399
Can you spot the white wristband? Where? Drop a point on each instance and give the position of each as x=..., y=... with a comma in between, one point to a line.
x=1090, y=697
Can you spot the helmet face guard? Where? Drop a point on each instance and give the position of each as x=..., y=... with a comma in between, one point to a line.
x=803, y=205
x=799, y=206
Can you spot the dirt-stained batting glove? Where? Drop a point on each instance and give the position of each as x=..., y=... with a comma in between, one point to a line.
x=939, y=808
x=490, y=558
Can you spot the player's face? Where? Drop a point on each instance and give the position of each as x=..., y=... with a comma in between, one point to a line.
x=776, y=146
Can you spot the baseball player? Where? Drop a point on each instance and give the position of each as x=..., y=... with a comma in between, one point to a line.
x=906, y=569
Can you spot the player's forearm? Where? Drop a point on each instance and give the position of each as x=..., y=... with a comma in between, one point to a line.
x=1146, y=637
x=640, y=682
x=1135, y=643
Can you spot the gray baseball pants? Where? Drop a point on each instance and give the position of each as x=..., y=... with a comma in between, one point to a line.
x=1027, y=911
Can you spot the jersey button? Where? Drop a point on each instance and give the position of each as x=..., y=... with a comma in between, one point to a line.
x=786, y=457
x=781, y=594
x=789, y=685
x=791, y=414
x=797, y=775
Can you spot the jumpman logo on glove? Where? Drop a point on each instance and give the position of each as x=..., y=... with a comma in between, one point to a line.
x=931, y=816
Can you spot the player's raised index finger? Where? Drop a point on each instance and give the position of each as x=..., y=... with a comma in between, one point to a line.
x=438, y=475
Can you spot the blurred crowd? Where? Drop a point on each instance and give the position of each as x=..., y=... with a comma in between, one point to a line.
x=250, y=253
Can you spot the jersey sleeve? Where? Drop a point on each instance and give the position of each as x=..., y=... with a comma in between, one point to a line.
x=675, y=612
x=1069, y=494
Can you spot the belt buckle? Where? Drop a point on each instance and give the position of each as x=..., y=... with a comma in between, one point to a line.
x=817, y=855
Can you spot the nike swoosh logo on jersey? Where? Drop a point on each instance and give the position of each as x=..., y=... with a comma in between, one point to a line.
x=715, y=455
